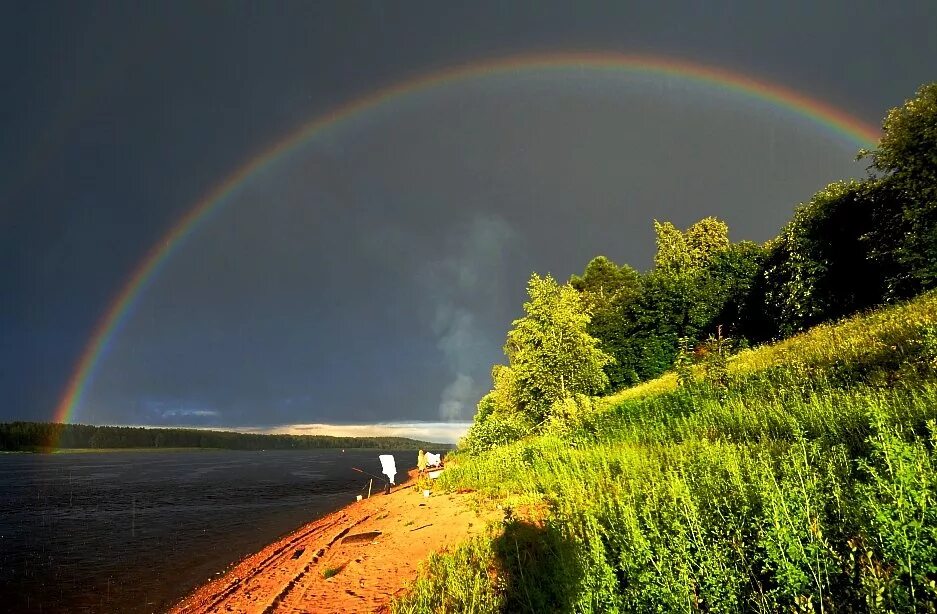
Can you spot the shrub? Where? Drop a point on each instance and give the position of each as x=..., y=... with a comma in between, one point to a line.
x=495, y=429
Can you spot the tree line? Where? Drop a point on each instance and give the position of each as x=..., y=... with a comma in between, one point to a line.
x=45, y=436
x=854, y=245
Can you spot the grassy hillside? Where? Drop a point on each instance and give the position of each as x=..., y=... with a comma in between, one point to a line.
x=805, y=481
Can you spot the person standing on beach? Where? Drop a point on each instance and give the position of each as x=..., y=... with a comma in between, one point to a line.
x=421, y=461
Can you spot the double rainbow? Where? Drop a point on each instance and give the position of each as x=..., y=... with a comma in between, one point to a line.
x=823, y=115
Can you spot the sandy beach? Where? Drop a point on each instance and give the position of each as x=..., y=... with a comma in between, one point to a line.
x=354, y=560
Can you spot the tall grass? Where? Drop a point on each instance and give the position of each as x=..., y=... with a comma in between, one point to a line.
x=809, y=485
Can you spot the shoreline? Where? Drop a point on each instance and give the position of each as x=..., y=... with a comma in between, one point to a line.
x=67, y=451
x=357, y=558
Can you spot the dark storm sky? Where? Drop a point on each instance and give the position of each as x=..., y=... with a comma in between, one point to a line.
x=371, y=275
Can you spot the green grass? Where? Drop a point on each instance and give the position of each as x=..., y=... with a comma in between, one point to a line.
x=460, y=581
x=810, y=484
x=329, y=572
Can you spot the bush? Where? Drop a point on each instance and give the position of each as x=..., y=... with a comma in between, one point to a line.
x=496, y=428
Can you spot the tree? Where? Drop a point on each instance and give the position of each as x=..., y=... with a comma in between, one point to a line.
x=550, y=352
x=604, y=284
x=700, y=280
x=678, y=289
x=609, y=292
x=903, y=236
x=907, y=150
x=685, y=252
x=820, y=266
x=735, y=276
x=705, y=240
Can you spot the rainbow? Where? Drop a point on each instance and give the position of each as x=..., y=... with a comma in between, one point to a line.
x=824, y=115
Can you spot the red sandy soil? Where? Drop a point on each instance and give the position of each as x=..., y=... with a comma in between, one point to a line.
x=377, y=545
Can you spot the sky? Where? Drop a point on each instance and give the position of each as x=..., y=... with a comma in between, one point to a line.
x=368, y=277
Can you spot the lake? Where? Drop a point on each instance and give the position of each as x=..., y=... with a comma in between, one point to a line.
x=135, y=531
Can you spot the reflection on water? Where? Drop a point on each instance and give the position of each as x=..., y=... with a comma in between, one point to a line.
x=134, y=531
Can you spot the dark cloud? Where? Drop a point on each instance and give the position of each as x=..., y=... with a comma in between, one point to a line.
x=463, y=286
x=371, y=275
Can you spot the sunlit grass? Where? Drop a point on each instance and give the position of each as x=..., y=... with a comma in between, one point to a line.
x=809, y=485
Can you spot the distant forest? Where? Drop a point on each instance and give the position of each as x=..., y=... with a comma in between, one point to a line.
x=46, y=436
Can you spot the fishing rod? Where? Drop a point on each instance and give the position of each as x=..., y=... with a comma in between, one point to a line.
x=371, y=474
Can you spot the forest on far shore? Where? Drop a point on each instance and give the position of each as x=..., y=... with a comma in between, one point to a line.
x=49, y=436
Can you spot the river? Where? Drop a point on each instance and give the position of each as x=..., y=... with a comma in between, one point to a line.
x=134, y=531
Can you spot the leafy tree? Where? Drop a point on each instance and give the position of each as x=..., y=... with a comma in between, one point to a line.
x=672, y=253
x=616, y=329
x=903, y=236
x=686, y=252
x=700, y=280
x=609, y=292
x=706, y=239
x=907, y=150
x=503, y=396
x=820, y=267
x=550, y=352
x=604, y=284
x=857, y=244
x=733, y=278
x=681, y=295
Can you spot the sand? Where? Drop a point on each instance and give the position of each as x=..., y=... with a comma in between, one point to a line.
x=371, y=550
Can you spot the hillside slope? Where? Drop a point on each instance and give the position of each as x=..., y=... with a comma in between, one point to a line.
x=803, y=478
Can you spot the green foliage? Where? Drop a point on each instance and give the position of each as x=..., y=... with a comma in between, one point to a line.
x=820, y=267
x=732, y=279
x=461, y=581
x=609, y=292
x=903, y=237
x=672, y=252
x=799, y=476
x=682, y=252
x=330, y=572
x=928, y=348
x=551, y=354
x=854, y=245
x=681, y=295
x=604, y=284
x=571, y=415
x=504, y=395
x=808, y=484
x=494, y=427
x=706, y=239
x=700, y=281
x=715, y=361
x=899, y=504
x=683, y=365
x=908, y=147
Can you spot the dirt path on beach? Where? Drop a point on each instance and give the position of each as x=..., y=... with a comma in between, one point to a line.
x=373, y=547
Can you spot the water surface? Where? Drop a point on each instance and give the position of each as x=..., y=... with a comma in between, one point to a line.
x=135, y=531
